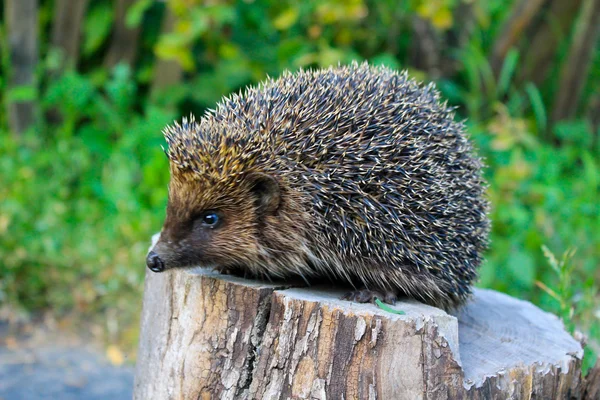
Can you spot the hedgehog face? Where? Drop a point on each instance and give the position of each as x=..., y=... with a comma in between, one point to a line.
x=208, y=225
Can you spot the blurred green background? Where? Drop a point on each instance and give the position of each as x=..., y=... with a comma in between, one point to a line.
x=87, y=86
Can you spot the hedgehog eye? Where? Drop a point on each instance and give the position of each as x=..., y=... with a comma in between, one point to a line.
x=210, y=219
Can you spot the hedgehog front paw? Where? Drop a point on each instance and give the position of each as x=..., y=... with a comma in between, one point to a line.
x=369, y=296
x=232, y=271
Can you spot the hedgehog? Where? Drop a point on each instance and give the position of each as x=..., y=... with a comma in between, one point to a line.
x=356, y=175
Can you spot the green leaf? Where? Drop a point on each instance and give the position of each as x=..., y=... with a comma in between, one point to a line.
x=506, y=74
x=386, y=59
x=223, y=14
x=286, y=19
x=121, y=89
x=176, y=46
x=522, y=267
x=71, y=94
x=23, y=93
x=136, y=12
x=537, y=104
x=387, y=308
x=98, y=24
x=450, y=90
x=574, y=131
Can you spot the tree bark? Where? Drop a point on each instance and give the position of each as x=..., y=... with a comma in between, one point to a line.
x=66, y=29
x=23, y=32
x=426, y=48
x=428, y=51
x=591, y=386
x=206, y=335
x=577, y=65
x=521, y=17
x=544, y=41
x=124, y=42
x=166, y=72
x=593, y=114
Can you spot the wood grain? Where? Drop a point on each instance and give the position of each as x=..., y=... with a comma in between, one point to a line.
x=206, y=335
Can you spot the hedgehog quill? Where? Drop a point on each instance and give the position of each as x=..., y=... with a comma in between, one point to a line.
x=356, y=174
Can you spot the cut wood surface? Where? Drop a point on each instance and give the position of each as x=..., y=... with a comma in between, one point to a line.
x=206, y=335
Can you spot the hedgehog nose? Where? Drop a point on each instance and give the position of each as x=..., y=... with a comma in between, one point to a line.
x=154, y=262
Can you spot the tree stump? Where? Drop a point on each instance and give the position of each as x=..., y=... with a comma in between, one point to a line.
x=591, y=384
x=211, y=336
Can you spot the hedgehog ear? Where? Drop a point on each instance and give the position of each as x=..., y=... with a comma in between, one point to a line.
x=267, y=193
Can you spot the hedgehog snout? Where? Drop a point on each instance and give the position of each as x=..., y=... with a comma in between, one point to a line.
x=154, y=262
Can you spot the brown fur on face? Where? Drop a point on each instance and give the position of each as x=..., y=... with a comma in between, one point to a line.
x=187, y=241
x=250, y=217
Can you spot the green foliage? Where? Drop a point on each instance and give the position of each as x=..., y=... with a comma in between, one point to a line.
x=97, y=26
x=571, y=300
x=83, y=191
x=79, y=200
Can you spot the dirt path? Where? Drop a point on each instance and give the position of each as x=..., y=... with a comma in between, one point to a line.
x=39, y=366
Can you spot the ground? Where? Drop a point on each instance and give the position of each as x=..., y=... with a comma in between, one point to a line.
x=42, y=363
